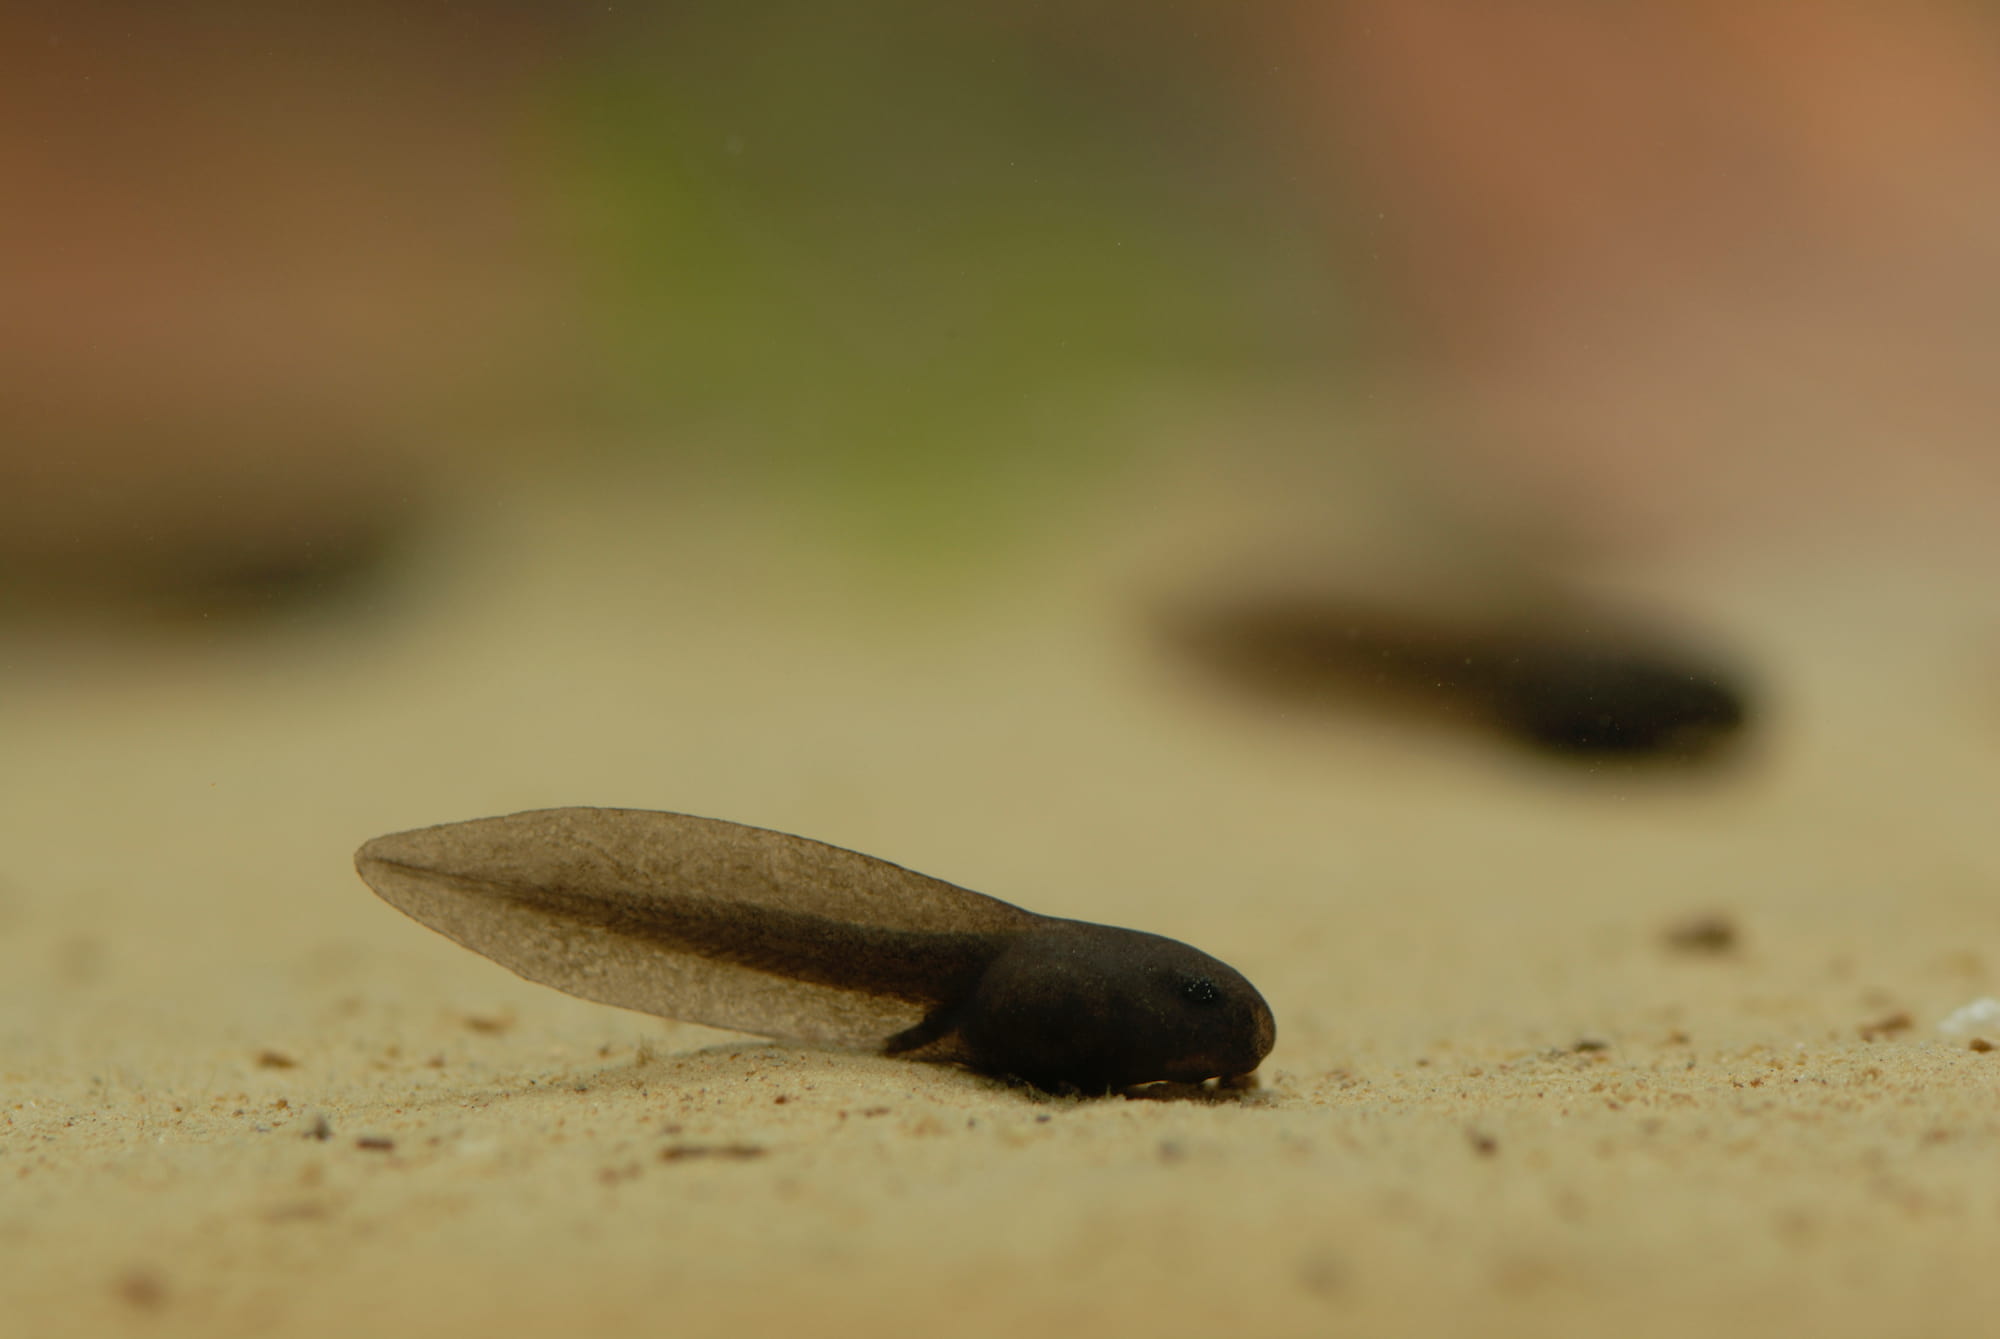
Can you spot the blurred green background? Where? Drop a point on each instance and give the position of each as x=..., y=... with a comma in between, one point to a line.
x=899, y=259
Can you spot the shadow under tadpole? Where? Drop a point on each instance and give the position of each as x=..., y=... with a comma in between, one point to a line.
x=1243, y=1090
x=649, y=1066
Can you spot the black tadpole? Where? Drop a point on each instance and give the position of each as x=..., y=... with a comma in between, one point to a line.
x=757, y=931
x=1568, y=686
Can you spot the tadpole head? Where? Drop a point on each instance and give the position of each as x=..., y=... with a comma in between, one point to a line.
x=1095, y=1008
x=1618, y=700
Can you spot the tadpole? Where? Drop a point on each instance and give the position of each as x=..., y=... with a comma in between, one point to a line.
x=1568, y=684
x=757, y=931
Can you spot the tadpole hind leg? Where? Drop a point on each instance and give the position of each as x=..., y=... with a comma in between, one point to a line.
x=912, y=1043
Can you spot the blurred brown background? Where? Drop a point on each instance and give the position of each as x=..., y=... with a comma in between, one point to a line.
x=1667, y=275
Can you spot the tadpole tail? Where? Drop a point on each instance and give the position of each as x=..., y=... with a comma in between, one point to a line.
x=697, y=919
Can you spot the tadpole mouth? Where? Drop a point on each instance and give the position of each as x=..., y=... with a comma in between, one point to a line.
x=1234, y=1055
x=1195, y=1071
x=1228, y=1068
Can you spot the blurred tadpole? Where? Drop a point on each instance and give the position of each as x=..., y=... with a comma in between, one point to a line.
x=1569, y=684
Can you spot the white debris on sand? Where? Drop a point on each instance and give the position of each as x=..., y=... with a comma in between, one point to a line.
x=1982, y=1015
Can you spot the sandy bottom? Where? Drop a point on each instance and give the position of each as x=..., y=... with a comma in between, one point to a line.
x=239, y=1095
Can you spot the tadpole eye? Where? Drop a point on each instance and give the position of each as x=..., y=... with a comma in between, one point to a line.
x=1200, y=990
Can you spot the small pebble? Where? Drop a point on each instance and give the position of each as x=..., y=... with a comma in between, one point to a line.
x=1888, y=1025
x=1709, y=933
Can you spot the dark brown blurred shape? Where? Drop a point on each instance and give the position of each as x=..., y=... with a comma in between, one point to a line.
x=1572, y=686
x=1710, y=932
